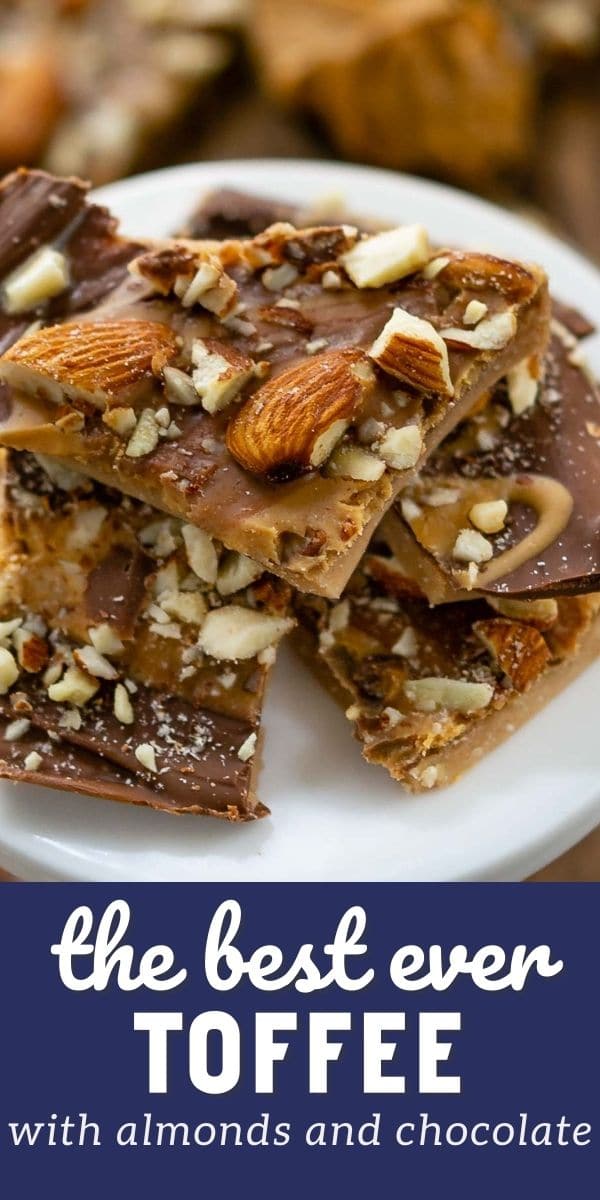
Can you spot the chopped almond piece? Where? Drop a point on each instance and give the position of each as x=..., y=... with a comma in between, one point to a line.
x=410, y=349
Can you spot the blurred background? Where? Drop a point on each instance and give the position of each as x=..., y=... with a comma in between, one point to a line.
x=502, y=98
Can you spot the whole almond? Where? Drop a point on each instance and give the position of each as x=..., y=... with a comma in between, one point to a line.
x=101, y=363
x=292, y=424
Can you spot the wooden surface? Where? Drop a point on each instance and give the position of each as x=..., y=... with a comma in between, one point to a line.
x=562, y=188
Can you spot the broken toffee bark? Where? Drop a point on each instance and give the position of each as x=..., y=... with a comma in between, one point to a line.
x=431, y=690
x=134, y=653
x=508, y=505
x=59, y=254
x=281, y=390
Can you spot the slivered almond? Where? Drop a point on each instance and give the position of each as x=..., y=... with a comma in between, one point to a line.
x=122, y=706
x=292, y=424
x=518, y=649
x=146, y=756
x=102, y=363
x=201, y=553
x=248, y=749
x=522, y=383
x=387, y=256
x=410, y=349
x=275, y=279
x=456, y=695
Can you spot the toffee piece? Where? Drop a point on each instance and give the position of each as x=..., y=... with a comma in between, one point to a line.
x=278, y=391
x=508, y=505
x=134, y=652
x=429, y=691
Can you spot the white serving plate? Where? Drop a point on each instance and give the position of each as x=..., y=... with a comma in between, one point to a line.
x=334, y=817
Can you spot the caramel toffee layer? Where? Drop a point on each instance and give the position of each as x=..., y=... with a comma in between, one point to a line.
x=541, y=464
x=431, y=690
x=273, y=391
x=39, y=214
x=134, y=652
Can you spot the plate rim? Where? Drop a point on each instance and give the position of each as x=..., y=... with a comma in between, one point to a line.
x=545, y=842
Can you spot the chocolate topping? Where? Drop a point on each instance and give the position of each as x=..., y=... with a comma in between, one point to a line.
x=116, y=589
x=38, y=209
x=196, y=752
x=227, y=213
x=557, y=439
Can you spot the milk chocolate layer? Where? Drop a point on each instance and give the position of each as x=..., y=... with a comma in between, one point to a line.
x=37, y=209
x=313, y=528
x=200, y=771
x=552, y=447
x=81, y=562
x=227, y=213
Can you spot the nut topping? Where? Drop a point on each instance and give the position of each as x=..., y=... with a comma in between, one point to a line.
x=472, y=547
x=237, y=571
x=491, y=334
x=410, y=349
x=122, y=706
x=387, y=257
x=94, y=663
x=475, y=311
x=32, y=650
x=248, y=749
x=489, y=516
x=102, y=363
x=543, y=614
x=121, y=421
x=201, y=553
x=519, y=650
x=9, y=671
x=195, y=275
x=44, y=275
x=220, y=373
x=351, y=462
x=455, y=695
x=292, y=424
x=401, y=448
x=523, y=386
x=145, y=436
x=233, y=632
x=75, y=687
